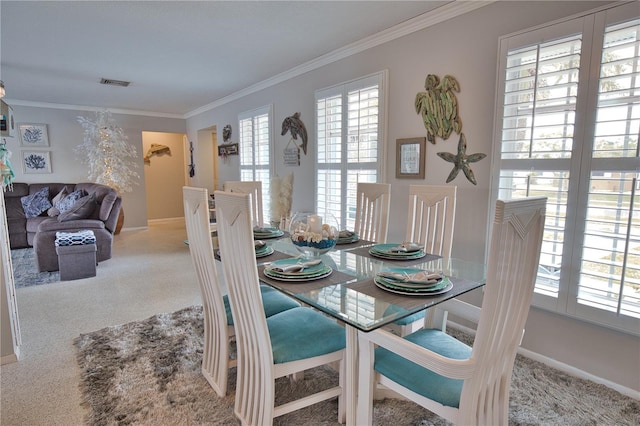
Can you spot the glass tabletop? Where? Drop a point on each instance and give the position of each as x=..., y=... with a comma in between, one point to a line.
x=350, y=294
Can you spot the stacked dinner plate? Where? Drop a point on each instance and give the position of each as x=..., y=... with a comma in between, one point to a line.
x=262, y=249
x=404, y=251
x=297, y=270
x=347, y=237
x=265, y=233
x=412, y=282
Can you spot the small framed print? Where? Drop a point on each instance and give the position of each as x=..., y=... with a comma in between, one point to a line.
x=410, y=158
x=33, y=135
x=36, y=162
x=228, y=149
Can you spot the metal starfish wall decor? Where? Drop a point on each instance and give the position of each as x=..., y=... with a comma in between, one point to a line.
x=461, y=161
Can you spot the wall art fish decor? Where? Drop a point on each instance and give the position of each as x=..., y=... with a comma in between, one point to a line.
x=294, y=125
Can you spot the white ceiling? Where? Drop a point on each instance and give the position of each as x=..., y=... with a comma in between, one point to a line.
x=180, y=56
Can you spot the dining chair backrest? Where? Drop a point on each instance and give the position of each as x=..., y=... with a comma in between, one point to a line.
x=303, y=338
x=431, y=218
x=372, y=211
x=254, y=188
x=216, y=330
x=467, y=386
x=512, y=266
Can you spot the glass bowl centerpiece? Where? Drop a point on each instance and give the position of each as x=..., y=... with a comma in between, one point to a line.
x=313, y=234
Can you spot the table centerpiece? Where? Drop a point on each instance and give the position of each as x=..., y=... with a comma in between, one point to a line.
x=313, y=234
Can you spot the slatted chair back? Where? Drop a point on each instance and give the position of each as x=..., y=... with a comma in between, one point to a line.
x=303, y=337
x=215, y=357
x=372, y=211
x=432, y=210
x=254, y=188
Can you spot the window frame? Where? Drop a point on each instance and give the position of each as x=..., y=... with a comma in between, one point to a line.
x=343, y=89
x=580, y=166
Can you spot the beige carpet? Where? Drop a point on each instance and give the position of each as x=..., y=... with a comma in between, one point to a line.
x=148, y=373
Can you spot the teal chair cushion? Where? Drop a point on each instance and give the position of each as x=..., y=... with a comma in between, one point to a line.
x=421, y=380
x=302, y=333
x=274, y=302
x=406, y=320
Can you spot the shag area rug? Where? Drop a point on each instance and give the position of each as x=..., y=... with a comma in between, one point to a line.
x=25, y=271
x=148, y=373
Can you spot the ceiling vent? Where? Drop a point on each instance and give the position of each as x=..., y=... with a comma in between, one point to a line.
x=111, y=82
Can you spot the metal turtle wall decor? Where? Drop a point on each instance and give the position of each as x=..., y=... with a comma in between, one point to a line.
x=294, y=125
x=438, y=107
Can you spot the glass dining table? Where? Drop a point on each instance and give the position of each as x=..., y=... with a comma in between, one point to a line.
x=350, y=294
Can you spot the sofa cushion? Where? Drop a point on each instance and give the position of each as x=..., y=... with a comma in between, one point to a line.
x=82, y=209
x=67, y=202
x=36, y=203
x=53, y=210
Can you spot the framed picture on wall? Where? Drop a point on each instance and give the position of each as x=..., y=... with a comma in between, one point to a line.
x=410, y=158
x=33, y=135
x=36, y=162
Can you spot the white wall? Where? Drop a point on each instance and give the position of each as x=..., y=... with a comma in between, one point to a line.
x=465, y=47
x=65, y=133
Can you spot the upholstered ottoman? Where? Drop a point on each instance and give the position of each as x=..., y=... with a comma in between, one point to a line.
x=76, y=254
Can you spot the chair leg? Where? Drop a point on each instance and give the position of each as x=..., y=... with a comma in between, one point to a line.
x=342, y=412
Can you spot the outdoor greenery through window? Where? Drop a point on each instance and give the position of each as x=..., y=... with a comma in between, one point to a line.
x=349, y=144
x=569, y=127
x=255, y=151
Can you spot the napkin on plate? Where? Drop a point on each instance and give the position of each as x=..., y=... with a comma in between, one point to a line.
x=259, y=230
x=406, y=248
x=422, y=277
x=346, y=234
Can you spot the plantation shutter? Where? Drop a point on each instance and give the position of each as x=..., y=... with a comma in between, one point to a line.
x=255, y=151
x=348, y=120
x=568, y=129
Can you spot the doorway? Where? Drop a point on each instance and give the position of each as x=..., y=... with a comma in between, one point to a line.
x=165, y=173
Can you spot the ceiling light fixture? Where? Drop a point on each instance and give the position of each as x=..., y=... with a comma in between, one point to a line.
x=2, y=89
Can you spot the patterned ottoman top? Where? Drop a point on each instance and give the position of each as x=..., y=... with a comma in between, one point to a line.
x=75, y=238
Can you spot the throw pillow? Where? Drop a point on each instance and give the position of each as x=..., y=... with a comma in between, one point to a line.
x=67, y=202
x=82, y=209
x=37, y=203
x=53, y=211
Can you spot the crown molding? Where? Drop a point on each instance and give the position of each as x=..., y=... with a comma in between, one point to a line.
x=18, y=102
x=433, y=17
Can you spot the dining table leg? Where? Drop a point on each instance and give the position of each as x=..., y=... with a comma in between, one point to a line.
x=351, y=382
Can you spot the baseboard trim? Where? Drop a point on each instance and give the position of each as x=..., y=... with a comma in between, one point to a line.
x=565, y=368
x=9, y=359
x=166, y=220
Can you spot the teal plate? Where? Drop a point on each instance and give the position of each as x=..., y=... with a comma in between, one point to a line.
x=414, y=292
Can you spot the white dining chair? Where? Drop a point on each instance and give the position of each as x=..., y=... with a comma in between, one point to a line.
x=218, y=321
x=254, y=188
x=465, y=385
x=372, y=211
x=278, y=346
x=430, y=222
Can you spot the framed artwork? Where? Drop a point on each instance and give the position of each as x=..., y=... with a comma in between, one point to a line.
x=36, y=162
x=33, y=135
x=410, y=158
x=228, y=149
x=7, y=122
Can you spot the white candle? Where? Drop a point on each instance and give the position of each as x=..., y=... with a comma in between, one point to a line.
x=315, y=223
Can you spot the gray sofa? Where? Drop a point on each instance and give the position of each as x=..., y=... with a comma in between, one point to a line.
x=40, y=232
